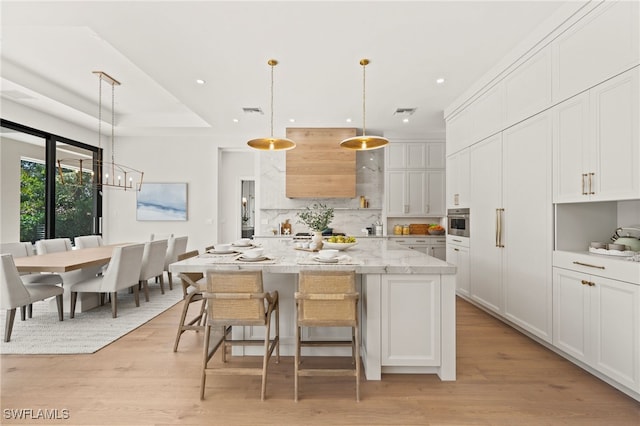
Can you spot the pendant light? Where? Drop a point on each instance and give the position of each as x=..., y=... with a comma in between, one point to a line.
x=364, y=142
x=109, y=173
x=271, y=143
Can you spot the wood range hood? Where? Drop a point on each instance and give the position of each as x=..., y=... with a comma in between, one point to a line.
x=318, y=167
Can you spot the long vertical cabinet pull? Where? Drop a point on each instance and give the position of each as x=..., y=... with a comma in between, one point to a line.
x=582, y=179
x=499, y=228
x=591, y=183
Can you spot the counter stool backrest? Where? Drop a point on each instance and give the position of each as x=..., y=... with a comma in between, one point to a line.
x=334, y=304
x=237, y=298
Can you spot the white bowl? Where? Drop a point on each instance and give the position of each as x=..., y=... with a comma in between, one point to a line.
x=337, y=246
x=328, y=254
x=222, y=247
x=253, y=253
x=243, y=242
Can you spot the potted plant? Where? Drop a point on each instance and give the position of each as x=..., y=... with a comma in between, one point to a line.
x=317, y=217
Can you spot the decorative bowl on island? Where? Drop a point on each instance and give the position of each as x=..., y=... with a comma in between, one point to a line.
x=339, y=243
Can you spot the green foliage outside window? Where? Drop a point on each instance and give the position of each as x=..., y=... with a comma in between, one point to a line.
x=73, y=207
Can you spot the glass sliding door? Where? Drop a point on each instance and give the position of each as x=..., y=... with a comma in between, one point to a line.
x=75, y=204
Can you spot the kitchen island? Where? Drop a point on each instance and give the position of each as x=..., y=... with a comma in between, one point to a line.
x=407, y=302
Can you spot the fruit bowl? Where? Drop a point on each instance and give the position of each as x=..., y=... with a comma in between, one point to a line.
x=337, y=246
x=435, y=231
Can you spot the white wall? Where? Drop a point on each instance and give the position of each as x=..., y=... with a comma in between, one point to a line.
x=166, y=159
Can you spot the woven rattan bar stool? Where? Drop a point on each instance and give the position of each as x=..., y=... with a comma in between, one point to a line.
x=192, y=293
x=237, y=298
x=327, y=299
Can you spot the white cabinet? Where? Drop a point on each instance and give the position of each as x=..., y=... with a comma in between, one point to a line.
x=512, y=224
x=528, y=88
x=597, y=321
x=599, y=46
x=415, y=193
x=458, y=254
x=433, y=246
x=596, y=150
x=527, y=225
x=485, y=205
x=410, y=320
x=458, y=179
x=415, y=155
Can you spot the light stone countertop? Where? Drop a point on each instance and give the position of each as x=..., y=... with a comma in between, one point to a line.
x=369, y=256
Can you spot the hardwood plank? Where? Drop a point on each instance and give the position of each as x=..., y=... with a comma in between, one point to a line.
x=504, y=378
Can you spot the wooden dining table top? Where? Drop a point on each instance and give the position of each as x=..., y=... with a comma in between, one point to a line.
x=65, y=261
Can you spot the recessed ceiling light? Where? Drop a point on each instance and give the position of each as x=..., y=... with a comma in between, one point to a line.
x=405, y=120
x=440, y=80
x=292, y=120
x=235, y=120
x=348, y=120
x=200, y=81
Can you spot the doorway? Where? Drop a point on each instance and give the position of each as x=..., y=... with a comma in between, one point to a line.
x=248, y=208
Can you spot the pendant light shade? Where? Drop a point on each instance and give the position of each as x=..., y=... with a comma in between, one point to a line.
x=364, y=142
x=271, y=143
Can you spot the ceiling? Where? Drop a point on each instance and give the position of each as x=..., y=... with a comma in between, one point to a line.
x=157, y=50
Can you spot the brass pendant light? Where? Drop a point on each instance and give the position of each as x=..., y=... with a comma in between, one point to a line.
x=271, y=143
x=364, y=142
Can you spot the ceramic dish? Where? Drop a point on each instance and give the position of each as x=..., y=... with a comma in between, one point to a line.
x=242, y=245
x=214, y=251
x=337, y=246
x=252, y=259
x=326, y=260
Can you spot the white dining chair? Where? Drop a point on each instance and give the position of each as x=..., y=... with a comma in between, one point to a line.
x=160, y=237
x=88, y=241
x=14, y=294
x=177, y=245
x=56, y=245
x=24, y=249
x=122, y=273
x=153, y=264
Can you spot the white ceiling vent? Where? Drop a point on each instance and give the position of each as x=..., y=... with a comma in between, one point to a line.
x=252, y=110
x=404, y=111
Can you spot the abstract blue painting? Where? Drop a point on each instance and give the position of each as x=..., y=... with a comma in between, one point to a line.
x=162, y=201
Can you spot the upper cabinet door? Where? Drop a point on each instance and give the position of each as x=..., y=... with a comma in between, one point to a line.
x=601, y=45
x=528, y=88
x=595, y=143
x=616, y=144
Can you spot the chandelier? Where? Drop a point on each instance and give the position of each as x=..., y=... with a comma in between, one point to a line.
x=103, y=174
x=364, y=142
x=271, y=143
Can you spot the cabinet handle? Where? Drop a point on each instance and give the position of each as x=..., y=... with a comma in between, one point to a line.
x=584, y=282
x=455, y=249
x=586, y=264
x=499, y=228
x=457, y=241
x=456, y=199
x=406, y=208
x=590, y=183
x=582, y=178
x=426, y=209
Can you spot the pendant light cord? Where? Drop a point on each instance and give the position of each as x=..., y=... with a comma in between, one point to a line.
x=272, y=65
x=364, y=67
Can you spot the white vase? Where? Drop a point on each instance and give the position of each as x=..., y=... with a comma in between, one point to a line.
x=316, y=240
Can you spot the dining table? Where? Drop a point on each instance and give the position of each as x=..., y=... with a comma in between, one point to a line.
x=73, y=265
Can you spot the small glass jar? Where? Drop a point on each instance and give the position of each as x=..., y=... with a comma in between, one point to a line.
x=405, y=229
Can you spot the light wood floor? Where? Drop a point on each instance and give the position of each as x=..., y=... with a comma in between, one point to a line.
x=503, y=379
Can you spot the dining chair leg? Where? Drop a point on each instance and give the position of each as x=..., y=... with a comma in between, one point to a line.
x=145, y=287
x=170, y=281
x=59, y=303
x=161, y=279
x=74, y=297
x=30, y=310
x=11, y=315
x=136, y=296
x=114, y=304
x=23, y=310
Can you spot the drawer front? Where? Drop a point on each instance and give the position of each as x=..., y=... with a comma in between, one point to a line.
x=608, y=267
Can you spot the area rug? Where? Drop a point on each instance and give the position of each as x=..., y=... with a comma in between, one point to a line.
x=88, y=331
